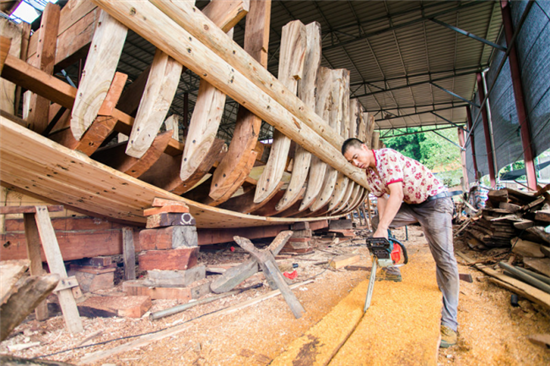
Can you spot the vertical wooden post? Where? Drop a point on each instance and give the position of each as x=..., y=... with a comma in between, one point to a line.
x=186, y=111
x=488, y=143
x=55, y=262
x=45, y=61
x=525, y=128
x=33, y=253
x=463, y=158
x=129, y=253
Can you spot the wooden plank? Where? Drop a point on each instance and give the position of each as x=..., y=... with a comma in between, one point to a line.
x=98, y=73
x=306, y=92
x=128, y=253
x=130, y=98
x=8, y=210
x=160, y=89
x=101, y=128
x=31, y=293
x=541, y=265
x=291, y=69
x=344, y=260
x=33, y=254
x=237, y=163
x=172, y=124
x=542, y=215
x=203, y=128
x=56, y=265
x=167, y=208
x=44, y=59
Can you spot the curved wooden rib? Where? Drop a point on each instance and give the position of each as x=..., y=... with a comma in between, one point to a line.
x=165, y=173
x=340, y=188
x=340, y=94
x=306, y=92
x=323, y=106
x=160, y=89
x=134, y=167
x=99, y=70
x=245, y=203
x=353, y=199
x=339, y=208
x=291, y=65
x=102, y=126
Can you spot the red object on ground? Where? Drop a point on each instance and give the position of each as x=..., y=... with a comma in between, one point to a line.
x=232, y=249
x=292, y=275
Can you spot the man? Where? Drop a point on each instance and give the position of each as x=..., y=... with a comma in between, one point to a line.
x=409, y=193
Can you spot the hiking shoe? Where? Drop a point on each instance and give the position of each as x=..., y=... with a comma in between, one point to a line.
x=448, y=337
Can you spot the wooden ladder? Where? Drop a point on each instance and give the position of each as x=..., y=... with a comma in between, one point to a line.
x=39, y=230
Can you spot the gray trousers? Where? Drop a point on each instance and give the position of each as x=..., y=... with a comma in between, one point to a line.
x=435, y=219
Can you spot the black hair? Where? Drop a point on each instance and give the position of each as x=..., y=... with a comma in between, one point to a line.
x=352, y=142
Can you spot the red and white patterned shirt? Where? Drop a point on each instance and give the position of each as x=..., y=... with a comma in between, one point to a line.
x=418, y=182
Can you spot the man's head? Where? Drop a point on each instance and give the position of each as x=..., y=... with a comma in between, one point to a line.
x=357, y=153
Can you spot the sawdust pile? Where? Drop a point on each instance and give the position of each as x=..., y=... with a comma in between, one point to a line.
x=401, y=326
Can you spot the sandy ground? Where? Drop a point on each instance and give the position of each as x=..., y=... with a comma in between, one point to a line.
x=491, y=331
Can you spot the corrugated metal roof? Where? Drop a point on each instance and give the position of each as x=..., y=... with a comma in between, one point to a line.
x=392, y=49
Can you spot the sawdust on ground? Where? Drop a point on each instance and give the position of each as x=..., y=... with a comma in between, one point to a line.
x=491, y=331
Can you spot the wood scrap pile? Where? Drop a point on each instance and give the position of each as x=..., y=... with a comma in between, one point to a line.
x=509, y=215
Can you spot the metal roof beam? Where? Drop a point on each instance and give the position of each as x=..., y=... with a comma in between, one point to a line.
x=414, y=114
x=408, y=85
x=415, y=106
x=451, y=122
x=415, y=132
x=454, y=94
x=402, y=25
x=468, y=34
x=452, y=142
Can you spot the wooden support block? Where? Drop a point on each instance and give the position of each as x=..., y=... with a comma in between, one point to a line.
x=299, y=226
x=100, y=261
x=140, y=288
x=171, y=237
x=170, y=219
x=23, y=301
x=340, y=224
x=32, y=243
x=306, y=233
x=91, y=279
x=129, y=253
x=344, y=260
x=175, y=259
x=161, y=202
x=122, y=306
x=526, y=248
x=168, y=209
x=169, y=278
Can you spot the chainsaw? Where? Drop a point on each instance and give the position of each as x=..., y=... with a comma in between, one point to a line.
x=385, y=253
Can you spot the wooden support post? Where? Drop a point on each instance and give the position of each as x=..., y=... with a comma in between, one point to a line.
x=519, y=97
x=129, y=253
x=5, y=44
x=45, y=60
x=55, y=262
x=487, y=131
x=306, y=92
x=272, y=273
x=465, y=184
x=236, y=165
x=291, y=68
x=98, y=72
x=33, y=253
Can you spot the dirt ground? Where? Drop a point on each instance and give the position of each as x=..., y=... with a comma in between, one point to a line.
x=492, y=332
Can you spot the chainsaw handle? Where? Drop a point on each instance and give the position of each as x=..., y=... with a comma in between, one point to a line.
x=403, y=249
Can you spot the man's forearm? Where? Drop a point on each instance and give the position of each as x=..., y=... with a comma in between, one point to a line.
x=391, y=207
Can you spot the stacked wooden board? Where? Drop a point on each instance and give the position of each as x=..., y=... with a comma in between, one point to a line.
x=304, y=177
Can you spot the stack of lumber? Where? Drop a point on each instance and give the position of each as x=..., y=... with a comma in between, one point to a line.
x=509, y=214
